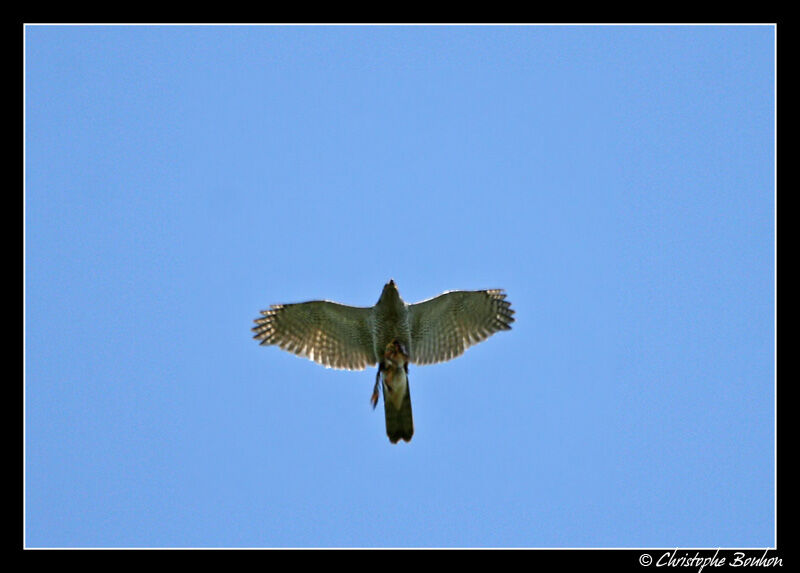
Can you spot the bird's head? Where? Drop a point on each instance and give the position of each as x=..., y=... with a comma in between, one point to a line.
x=390, y=291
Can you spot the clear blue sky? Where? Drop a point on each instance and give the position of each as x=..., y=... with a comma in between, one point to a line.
x=617, y=182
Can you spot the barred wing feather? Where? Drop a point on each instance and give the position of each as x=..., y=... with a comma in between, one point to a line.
x=443, y=327
x=329, y=333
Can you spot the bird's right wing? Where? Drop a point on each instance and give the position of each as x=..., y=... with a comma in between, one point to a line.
x=443, y=327
x=329, y=333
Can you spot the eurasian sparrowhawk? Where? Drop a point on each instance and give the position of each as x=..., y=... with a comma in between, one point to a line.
x=391, y=334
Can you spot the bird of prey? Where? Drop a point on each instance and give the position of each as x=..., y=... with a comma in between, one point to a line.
x=391, y=334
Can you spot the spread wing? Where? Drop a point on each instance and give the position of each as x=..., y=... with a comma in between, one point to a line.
x=331, y=334
x=443, y=327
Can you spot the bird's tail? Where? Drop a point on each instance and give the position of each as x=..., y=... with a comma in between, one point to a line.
x=399, y=421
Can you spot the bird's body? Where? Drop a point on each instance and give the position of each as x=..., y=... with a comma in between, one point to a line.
x=391, y=323
x=391, y=334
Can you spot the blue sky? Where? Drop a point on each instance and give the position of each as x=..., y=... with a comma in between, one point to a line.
x=617, y=182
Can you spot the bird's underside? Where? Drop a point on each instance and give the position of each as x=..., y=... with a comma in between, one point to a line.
x=391, y=334
x=392, y=377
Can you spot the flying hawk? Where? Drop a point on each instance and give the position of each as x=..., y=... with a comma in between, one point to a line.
x=391, y=334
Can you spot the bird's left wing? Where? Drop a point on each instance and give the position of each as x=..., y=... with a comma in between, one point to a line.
x=329, y=333
x=443, y=327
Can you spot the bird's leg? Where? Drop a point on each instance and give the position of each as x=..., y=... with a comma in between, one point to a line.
x=374, y=399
